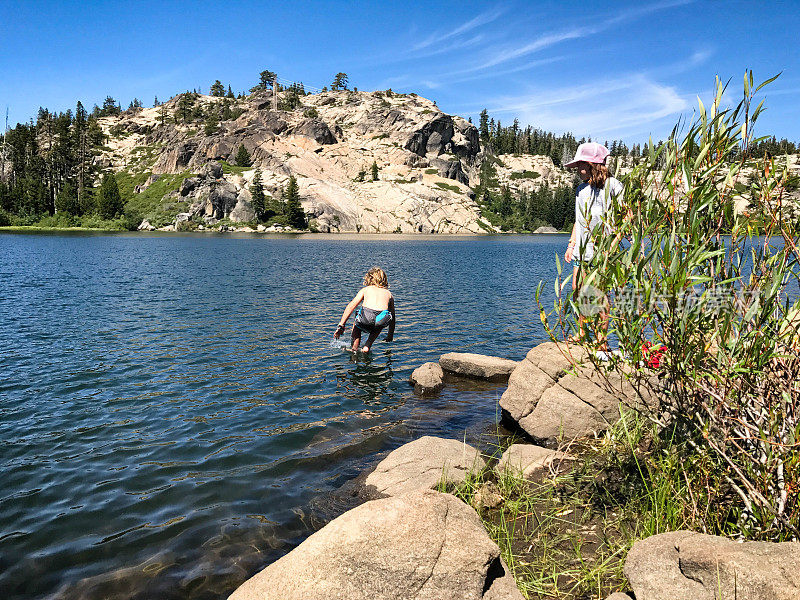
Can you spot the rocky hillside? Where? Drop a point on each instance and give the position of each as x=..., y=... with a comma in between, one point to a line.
x=426, y=160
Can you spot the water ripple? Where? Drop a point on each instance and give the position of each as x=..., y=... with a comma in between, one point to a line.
x=173, y=417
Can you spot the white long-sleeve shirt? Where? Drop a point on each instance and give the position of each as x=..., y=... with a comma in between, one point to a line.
x=592, y=208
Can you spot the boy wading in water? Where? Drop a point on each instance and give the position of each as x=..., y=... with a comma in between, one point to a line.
x=375, y=313
x=593, y=205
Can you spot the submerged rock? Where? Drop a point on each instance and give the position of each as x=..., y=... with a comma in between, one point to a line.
x=424, y=546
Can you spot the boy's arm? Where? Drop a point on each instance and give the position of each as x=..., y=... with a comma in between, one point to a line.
x=348, y=311
x=390, y=335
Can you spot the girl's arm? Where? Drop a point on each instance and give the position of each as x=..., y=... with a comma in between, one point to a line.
x=571, y=245
x=348, y=311
x=390, y=335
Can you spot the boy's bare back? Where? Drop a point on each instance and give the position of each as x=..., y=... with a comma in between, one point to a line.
x=376, y=297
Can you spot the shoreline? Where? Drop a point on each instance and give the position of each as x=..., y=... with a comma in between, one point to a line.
x=388, y=235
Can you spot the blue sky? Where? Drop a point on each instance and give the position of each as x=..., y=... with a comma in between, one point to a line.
x=602, y=69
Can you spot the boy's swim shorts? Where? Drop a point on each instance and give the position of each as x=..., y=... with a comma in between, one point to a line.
x=372, y=321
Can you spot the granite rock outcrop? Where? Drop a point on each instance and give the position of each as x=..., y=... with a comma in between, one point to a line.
x=426, y=159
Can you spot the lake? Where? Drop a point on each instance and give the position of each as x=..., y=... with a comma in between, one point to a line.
x=173, y=416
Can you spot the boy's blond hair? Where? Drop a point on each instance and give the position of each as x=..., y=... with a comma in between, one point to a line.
x=376, y=276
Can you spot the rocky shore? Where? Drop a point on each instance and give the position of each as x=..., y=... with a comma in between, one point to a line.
x=412, y=539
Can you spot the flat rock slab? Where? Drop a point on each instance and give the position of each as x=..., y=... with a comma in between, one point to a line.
x=428, y=378
x=532, y=462
x=421, y=546
x=422, y=464
x=685, y=564
x=479, y=366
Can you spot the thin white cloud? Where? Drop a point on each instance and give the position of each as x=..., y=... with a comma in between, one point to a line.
x=455, y=45
x=545, y=41
x=641, y=11
x=508, y=53
x=612, y=108
x=470, y=75
x=478, y=21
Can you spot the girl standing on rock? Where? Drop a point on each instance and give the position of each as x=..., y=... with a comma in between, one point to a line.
x=375, y=313
x=593, y=203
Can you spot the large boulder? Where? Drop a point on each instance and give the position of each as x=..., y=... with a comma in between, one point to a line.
x=685, y=564
x=220, y=200
x=243, y=211
x=451, y=169
x=315, y=129
x=555, y=394
x=479, y=366
x=445, y=134
x=424, y=546
x=211, y=170
x=422, y=464
x=188, y=185
x=175, y=158
x=428, y=378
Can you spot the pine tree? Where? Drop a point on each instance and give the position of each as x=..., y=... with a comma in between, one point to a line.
x=211, y=125
x=109, y=201
x=483, y=127
x=185, y=105
x=374, y=169
x=265, y=80
x=243, y=157
x=67, y=200
x=82, y=146
x=217, y=89
x=293, y=209
x=339, y=82
x=230, y=93
x=109, y=107
x=155, y=102
x=258, y=200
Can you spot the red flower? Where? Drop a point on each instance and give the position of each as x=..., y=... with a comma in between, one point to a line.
x=652, y=354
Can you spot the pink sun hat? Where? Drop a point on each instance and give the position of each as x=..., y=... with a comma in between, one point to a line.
x=590, y=152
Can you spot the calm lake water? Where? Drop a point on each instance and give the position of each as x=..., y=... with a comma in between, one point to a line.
x=173, y=416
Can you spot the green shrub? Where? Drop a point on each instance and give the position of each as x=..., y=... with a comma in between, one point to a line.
x=448, y=187
x=728, y=378
x=524, y=175
x=151, y=203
